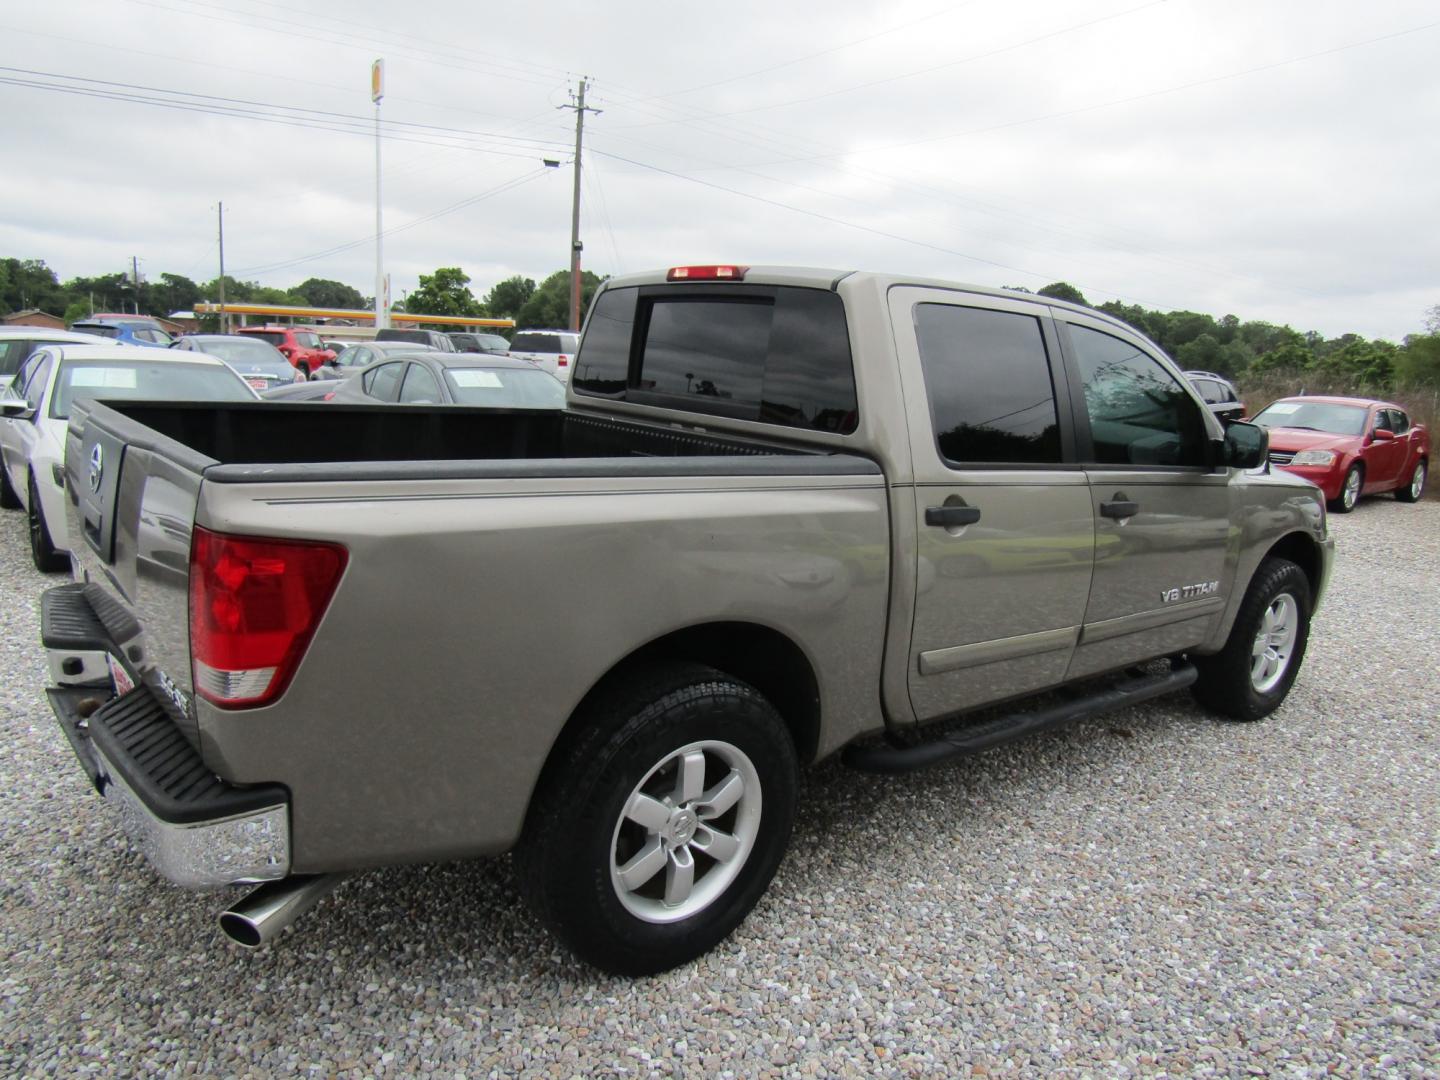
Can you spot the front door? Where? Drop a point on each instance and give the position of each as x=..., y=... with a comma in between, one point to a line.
x=1161, y=514
x=1003, y=519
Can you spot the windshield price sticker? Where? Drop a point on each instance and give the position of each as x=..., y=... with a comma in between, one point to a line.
x=477, y=380
x=104, y=378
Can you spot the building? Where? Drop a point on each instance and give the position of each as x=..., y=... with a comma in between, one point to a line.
x=33, y=317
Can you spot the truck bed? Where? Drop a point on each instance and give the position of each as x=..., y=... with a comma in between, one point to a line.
x=227, y=443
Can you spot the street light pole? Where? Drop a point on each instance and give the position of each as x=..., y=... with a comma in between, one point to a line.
x=377, y=91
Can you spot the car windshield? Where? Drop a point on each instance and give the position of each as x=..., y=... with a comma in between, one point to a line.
x=165, y=380
x=240, y=350
x=505, y=388
x=1313, y=416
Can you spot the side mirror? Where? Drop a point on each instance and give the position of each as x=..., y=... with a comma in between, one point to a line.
x=1245, y=446
x=16, y=408
x=1384, y=434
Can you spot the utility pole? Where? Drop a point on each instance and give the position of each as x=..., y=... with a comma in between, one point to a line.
x=224, y=327
x=135, y=283
x=382, y=306
x=575, y=246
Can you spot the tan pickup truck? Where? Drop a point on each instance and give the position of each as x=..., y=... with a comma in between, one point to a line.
x=786, y=513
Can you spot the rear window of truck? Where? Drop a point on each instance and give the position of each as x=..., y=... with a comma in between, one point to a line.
x=778, y=355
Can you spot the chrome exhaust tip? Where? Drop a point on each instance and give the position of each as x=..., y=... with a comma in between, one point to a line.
x=259, y=918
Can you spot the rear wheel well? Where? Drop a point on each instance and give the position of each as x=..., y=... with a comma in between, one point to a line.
x=764, y=658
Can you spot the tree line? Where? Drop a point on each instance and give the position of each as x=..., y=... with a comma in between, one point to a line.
x=1249, y=352
x=27, y=284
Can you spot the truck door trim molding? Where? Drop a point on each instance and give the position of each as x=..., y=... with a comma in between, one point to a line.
x=939, y=661
x=1149, y=620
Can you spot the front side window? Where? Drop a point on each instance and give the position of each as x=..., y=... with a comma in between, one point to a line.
x=1139, y=413
x=988, y=379
x=12, y=354
x=1400, y=423
x=35, y=381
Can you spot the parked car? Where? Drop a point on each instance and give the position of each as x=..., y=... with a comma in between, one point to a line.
x=549, y=349
x=455, y=379
x=433, y=338
x=355, y=357
x=310, y=390
x=36, y=412
x=1218, y=393
x=486, y=343
x=301, y=347
x=1348, y=446
x=257, y=362
x=18, y=342
x=125, y=330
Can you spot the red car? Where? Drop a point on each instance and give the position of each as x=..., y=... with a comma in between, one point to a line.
x=301, y=347
x=1348, y=446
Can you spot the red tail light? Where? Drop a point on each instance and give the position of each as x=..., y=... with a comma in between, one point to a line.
x=706, y=273
x=254, y=605
x=562, y=361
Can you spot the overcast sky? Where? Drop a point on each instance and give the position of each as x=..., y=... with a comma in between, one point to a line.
x=1275, y=159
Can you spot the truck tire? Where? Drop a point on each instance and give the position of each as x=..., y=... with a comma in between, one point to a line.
x=1250, y=677
x=47, y=560
x=1408, y=492
x=652, y=835
x=1350, y=489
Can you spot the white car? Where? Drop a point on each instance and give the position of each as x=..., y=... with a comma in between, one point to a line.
x=552, y=350
x=18, y=342
x=36, y=411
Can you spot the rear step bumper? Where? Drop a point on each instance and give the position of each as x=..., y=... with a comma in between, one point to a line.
x=973, y=740
x=196, y=829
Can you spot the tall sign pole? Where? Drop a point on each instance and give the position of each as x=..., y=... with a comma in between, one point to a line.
x=575, y=246
x=220, y=213
x=382, y=301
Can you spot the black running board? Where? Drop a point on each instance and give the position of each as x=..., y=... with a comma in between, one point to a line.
x=1004, y=729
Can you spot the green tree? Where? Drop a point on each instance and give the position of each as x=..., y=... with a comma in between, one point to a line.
x=550, y=306
x=1063, y=290
x=445, y=292
x=507, y=297
x=319, y=292
x=1418, y=363
x=1290, y=358
x=175, y=292
x=29, y=283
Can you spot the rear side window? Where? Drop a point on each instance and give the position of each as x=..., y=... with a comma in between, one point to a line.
x=776, y=355
x=383, y=383
x=988, y=378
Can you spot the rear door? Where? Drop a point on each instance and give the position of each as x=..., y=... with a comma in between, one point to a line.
x=1006, y=533
x=1161, y=514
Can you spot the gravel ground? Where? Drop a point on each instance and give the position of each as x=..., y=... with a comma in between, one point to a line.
x=1154, y=893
